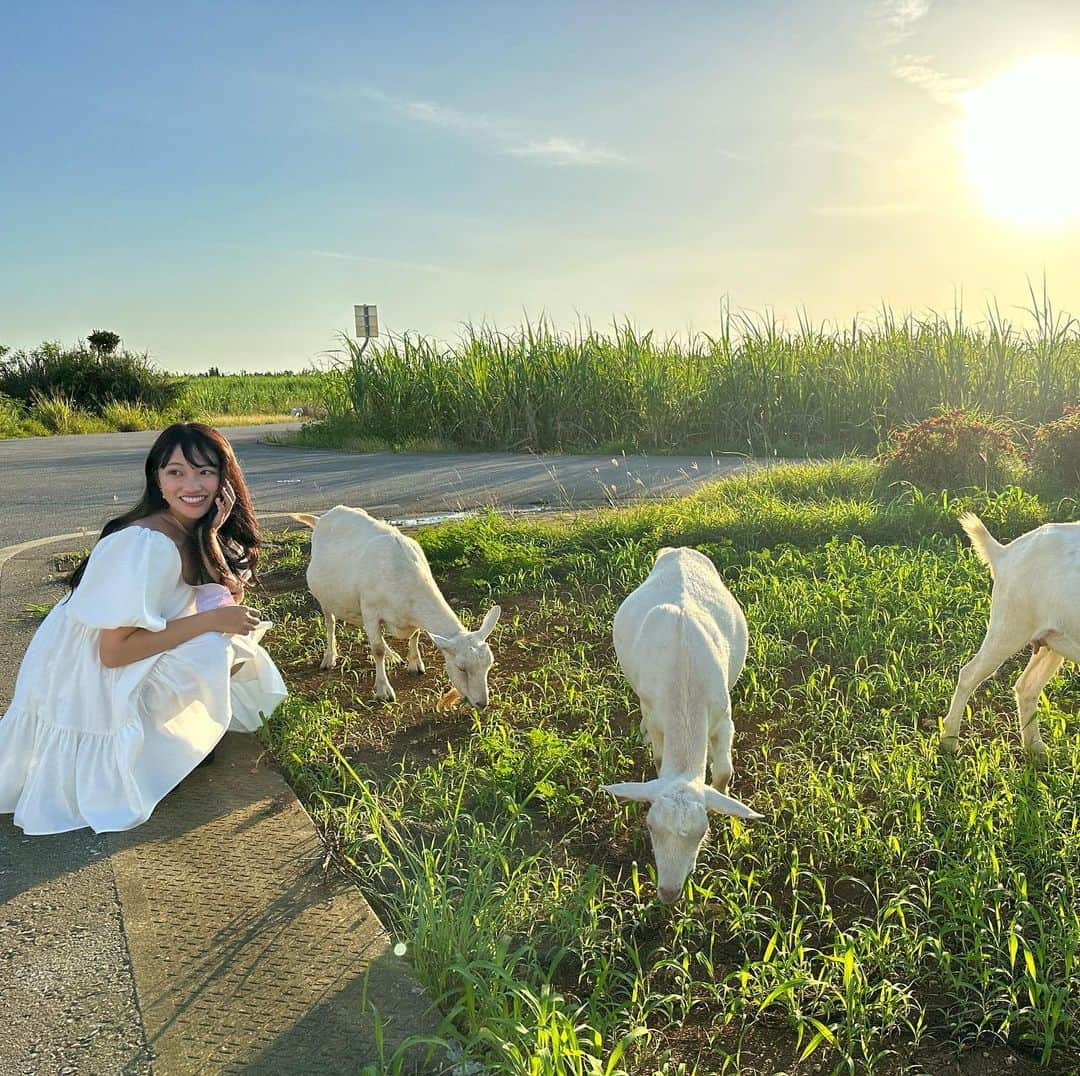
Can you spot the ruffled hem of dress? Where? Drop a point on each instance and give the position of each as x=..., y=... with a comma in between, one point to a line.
x=54, y=779
x=256, y=689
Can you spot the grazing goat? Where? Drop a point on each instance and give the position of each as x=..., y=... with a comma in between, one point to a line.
x=368, y=573
x=1036, y=600
x=681, y=642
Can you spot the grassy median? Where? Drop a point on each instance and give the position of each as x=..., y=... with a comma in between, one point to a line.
x=896, y=911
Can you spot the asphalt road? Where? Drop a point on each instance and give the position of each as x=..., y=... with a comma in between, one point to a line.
x=59, y=485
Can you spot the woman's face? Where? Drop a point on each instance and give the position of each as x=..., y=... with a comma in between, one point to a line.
x=189, y=490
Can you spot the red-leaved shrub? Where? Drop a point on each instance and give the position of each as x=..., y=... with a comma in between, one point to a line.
x=1054, y=456
x=951, y=451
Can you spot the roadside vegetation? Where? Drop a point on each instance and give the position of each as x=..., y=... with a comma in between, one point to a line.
x=753, y=387
x=96, y=386
x=896, y=911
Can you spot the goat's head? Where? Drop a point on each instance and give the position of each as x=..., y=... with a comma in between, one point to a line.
x=469, y=658
x=678, y=822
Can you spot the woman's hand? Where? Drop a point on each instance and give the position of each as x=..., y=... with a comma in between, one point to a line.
x=233, y=619
x=223, y=502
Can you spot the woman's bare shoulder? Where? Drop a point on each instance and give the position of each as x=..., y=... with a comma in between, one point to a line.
x=156, y=523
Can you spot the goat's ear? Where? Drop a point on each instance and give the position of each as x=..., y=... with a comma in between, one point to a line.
x=490, y=620
x=443, y=642
x=717, y=801
x=644, y=791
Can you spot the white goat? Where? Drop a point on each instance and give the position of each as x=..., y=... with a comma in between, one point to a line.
x=681, y=642
x=1036, y=600
x=368, y=573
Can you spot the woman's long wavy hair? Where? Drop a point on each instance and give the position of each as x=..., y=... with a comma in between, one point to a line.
x=202, y=446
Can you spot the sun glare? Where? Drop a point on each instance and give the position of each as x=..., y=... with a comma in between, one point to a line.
x=1020, y=142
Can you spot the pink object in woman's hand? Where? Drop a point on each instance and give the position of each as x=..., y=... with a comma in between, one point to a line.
x=212, y=596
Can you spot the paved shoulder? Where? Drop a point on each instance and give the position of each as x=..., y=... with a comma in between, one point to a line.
x=205, y=941
x=245, y=957
x=68, y=1000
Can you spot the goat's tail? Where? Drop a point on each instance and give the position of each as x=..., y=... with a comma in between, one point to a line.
x=985, y=544
x=306, y=518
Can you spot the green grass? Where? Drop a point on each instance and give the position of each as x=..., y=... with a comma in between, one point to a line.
x=222, y=401
x=895, y=910
x=38, y=610
x=262, y=394
x=753, y=387
x=344, y=433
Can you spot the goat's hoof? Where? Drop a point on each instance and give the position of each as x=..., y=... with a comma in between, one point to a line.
x=327, y=663
x=385, y=697
x=419, y=671
x=949, y=745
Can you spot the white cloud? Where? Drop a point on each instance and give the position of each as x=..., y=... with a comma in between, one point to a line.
x=900, y=16
x=506, y=136
x=917, y=71
x=449, y=118
x=566, y=151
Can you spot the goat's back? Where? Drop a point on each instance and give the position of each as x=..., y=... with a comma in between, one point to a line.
x=1037, y=578
x=682, y=604
x=1046, y=550
x=352, y=553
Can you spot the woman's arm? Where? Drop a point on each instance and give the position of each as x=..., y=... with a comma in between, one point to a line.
x=122, y=646
x=216, y=566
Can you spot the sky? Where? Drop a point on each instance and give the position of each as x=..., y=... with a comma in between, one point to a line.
x=220, y=182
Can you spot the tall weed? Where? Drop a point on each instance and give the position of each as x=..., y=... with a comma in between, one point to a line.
x=753, y=387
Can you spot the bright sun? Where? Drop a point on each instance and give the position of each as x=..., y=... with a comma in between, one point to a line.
x=1020, y=141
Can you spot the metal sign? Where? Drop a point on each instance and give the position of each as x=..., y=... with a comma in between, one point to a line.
x=367, y=322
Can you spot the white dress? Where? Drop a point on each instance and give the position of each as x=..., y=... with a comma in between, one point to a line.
x=84, y=745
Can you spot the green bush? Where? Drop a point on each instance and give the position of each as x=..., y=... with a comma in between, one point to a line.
x=11, y=417
x=1054, y=456
x=58, y=414
x=86, y=378
x=185, y=410
x=130, y=416
x=953, y=450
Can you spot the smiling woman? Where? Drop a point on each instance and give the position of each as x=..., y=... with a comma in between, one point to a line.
x=1022, y=154
x=132, y=679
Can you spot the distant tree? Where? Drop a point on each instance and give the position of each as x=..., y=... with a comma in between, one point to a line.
x=103, y=341
x=214, y=372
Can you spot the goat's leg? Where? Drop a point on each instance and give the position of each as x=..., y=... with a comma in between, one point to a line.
x=720, y=754
x=329, y=658
x=653, y=733
x=999, y=645
x=373, y=629
x=1044, y=663
x=416, y=662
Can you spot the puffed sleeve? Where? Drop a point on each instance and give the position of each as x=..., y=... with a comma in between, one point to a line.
x=128, y=579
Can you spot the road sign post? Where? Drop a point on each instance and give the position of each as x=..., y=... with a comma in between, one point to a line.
x=367, y=324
